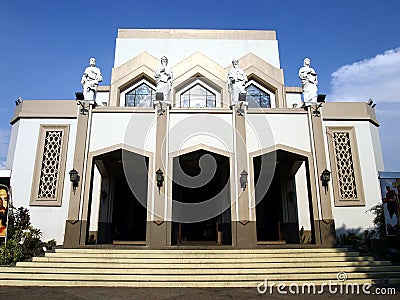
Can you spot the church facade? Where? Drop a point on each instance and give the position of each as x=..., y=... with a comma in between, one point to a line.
x=188, y=164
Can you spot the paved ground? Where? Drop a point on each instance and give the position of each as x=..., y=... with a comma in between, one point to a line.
x=44, y=293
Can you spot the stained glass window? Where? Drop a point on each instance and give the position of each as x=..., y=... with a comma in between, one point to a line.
x=198, y=96
x=141, y=96
x=257, y=97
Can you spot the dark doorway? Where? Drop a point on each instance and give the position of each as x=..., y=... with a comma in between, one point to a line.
x=276, y=208
x=216, y=229
x=269, y=213
x=122, y=217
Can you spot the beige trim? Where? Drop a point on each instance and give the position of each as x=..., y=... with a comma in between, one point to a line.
x=103, y=88
x=294, y=89
x=194, y=110
x=55, y=109
x=200, y=147
x=349, y=111
x=200, y=66
x=127, y=74
x=250, y=60
x=122, y=109
x=57, y=201
x=195, y=65
x=282, y=111
x=310, y=169
x=118, y=147
x=360, y=200
x=90, y=162
x=197, y=34
x=198, y=63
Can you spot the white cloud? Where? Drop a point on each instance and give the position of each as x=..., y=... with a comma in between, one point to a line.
x=377, y=78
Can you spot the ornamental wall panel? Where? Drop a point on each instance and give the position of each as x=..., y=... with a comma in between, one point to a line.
x=49, y=169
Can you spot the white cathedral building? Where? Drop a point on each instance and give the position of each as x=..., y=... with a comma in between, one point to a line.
x=195, y=161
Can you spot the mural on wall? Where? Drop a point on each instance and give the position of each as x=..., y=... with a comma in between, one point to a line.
x=4, y=204
x=390, y=188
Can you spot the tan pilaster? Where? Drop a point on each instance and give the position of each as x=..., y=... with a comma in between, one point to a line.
x=157, y=227
x=244, y=227
x=324, y=226
x=75, y=227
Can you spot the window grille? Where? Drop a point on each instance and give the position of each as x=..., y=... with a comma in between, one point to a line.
x=347, y=181
x=50, y=165
x=49, y=171
x=345, y=166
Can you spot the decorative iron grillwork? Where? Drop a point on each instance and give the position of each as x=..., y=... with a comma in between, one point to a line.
x=50, y=165
x=345, y=166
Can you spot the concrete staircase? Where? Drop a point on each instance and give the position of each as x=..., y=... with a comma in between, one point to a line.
x=198, y=268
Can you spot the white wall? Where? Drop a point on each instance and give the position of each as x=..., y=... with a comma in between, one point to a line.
x=11, y=146
x=293, y=98
x=187, y=130
x=221, y=51
x=303, y=208
x=267, y=130
x=137, y=130
x=102, y=98
x=95, y=205
x=353, y=218
x=50, y=220
x=376, y=142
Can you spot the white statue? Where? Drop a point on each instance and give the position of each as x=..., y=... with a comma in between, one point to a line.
x=236, y=82
x=164, y=76
x=309, y=82
x=90, y=80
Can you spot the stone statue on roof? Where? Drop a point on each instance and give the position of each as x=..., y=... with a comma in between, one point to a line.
x=236, y=81
x=309, y=82
x=90, y=80
x=164, y=76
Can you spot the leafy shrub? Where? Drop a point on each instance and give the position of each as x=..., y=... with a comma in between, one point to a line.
x=23, y=240
x=379, y=220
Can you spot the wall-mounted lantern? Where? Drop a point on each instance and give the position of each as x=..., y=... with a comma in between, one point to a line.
x=159, y=179
x=243, y=179
x=325, y=177
x=74, y=178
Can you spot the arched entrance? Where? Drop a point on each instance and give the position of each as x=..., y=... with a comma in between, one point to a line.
x=119, y=215
x=283, y=209
x=187, y=188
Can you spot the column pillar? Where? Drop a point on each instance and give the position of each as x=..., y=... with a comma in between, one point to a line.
x=157, y=227
x=244, y=229
x=75, y=228
x=324, y=226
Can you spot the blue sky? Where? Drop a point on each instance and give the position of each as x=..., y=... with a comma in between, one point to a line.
x=353, y=45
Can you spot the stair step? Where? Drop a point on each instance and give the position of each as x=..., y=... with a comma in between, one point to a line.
x=197, y=268
x=200, y=255
x=202, y=265
x=200, y=277
x=215, y=251
x=196, y=271
x=175, y=284
x=223, y=260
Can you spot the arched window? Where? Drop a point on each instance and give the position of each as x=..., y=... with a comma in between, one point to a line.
x=197, y=96
x=141, y=96
x=257, y=97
